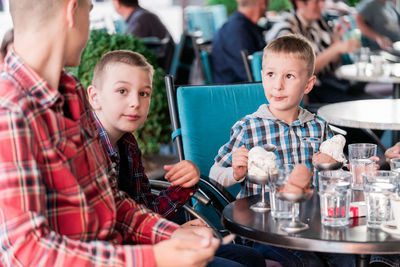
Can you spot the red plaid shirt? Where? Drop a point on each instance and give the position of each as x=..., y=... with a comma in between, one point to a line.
x=133, y=180
x=58, y=196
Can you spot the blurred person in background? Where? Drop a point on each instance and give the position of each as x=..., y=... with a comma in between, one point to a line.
x=306, y=19
x=240, y=32
x=379, y=22
x=142, y=23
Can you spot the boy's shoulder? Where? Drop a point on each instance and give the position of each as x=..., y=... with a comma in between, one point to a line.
x=261, y=113
x=307, y=116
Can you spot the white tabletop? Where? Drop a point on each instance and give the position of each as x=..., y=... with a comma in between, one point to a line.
x=390, y=74
x=379, y=114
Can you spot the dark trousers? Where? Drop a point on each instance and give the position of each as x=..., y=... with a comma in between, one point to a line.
x=234, y=255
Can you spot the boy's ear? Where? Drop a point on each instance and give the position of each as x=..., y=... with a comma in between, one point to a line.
x=71, y=7
x=93, y=97
x=310, y=84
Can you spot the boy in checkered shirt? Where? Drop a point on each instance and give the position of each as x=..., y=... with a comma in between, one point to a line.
x=287, y=75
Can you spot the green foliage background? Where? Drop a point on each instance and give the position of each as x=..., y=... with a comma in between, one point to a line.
x=156, y=130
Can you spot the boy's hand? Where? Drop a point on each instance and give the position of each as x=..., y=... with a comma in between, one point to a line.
x=195, y=222
x=184, y=173
x=239, y=162
x=187, y=247
x=393, y=152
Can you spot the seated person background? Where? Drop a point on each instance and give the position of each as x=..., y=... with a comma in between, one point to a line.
x=59, y=201
x=379, y=22
x=306, y=19
x=142, y=23
x=6, y=44
x=240, y=32
x=287, y=74
x=125, y=77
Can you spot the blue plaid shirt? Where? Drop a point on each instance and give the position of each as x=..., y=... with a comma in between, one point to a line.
x=296, y=143
x=132, y=179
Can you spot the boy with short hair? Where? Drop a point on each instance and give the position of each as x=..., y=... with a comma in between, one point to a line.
x=287, y=74
x=125, y=77
x=59, y=204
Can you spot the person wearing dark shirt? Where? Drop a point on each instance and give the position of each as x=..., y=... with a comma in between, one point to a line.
x=240, y=32
x=142, y=23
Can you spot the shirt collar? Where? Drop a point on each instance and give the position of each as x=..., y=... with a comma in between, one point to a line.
x=37, y=86
x=264, y=113
x=111, y=150
x=128, y=139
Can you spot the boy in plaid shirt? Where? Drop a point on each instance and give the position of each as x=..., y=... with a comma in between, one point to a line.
x=288, y=66
x=287, y=74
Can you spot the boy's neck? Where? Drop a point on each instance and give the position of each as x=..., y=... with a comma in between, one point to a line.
x=288, y=116
x=42, y=54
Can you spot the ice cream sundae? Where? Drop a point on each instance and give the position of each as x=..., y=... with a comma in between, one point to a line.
x=331, y=151
x=260, y=161
x=298, y=181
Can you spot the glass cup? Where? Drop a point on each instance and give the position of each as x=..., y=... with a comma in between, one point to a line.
x=334, y=196
x=395, y=165
x=377, y=62
x=360, y=157
x=395, y=202
x=379, y=189
x=281, y=209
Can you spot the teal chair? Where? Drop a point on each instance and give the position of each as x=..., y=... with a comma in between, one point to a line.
x=201, y=118
x=256, y=65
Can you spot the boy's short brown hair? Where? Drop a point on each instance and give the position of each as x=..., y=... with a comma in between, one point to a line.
x=120, y=56
x=294, y=44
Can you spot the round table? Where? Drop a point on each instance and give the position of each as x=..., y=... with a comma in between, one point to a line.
x=378, y=114
x=391, y=74
x=261, y=227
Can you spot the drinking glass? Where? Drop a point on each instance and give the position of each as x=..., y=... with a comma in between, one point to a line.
x=334, y=195
x=379, y=188
x=395, y=165
x=360, y=157
x=281, y=208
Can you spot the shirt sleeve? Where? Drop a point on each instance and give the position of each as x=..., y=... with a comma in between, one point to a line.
x=222, y=171
x=223, y=175
x=168, y=201
x=27, y=238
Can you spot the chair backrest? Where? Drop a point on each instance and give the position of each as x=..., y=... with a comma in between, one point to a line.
x=184, y=56
x=256, y=65
x=205, y=62
x=204, y=22
x=205, y=114
x=246, y=59
x=201, y=118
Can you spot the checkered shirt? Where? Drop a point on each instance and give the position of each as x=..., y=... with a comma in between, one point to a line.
x=296, y=143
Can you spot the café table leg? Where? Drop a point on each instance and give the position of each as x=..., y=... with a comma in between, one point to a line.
x=362, y=260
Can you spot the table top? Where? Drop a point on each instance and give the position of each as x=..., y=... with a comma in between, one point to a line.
x=261, y=227
x=390, y=74
x=379, y=114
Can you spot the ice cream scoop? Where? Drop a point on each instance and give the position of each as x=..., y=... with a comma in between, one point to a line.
x=260, y=161
x=320, y=157
x=334, y=147
x=298, y=181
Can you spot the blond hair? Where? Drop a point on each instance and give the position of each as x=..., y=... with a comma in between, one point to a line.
x=120, y=56
x=294, y=44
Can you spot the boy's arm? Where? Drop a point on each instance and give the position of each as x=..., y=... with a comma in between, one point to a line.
x=168, y=201
x=223, y=175
x=27, y=238
x=222, y=170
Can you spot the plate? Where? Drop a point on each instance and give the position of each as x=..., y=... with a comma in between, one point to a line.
x=391, y=228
